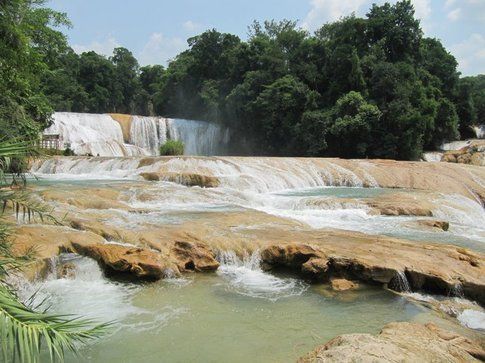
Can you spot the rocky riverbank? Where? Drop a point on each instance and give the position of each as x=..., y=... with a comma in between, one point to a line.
x=400, y=342
x=405, y=226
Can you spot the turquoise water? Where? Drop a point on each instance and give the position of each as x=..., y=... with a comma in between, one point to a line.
x=239, y=314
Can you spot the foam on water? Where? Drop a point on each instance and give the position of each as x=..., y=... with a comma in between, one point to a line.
x=90, y=294
x=472, y=319
x=246, y=277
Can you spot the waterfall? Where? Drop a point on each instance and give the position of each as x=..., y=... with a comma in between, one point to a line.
x=101, y=135
x=199, y=137
x=259, y=175
x=92, y=134
x=144, y=133
x=433, y=156
x=400, y=282
x=479, y=131
x=245, y=277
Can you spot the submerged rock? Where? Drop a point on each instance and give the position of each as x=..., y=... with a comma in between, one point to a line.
x=343, y=284
x=66, y=271
x=399, y=342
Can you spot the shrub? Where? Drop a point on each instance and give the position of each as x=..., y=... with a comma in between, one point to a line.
x=172, y=147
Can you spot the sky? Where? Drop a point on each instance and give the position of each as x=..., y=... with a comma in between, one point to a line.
x=157, y=30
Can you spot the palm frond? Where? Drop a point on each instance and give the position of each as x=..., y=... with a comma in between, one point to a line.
x=25, y=208
x=24, y=331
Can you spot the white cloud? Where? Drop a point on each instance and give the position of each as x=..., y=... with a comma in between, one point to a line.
x=449, y=3
x=104, y=47
x=422, y=8
x=471, y=54
x=160, y=49
x=323, y=11
x=191, y=26
x=455, y=14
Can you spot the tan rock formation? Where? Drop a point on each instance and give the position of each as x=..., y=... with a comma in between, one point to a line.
x=139, y=262
x=188, y=179
x=374, y=263
x=399, y=342
x=343, y=284
x=443, y=225
x=194, y=257
x=125, y=123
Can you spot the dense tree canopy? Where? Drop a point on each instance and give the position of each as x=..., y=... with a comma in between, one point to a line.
x=27, y=43
x=357, y=87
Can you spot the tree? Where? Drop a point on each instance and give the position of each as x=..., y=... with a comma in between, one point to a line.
x=27, y=37
x=465, y=108
x=397, y=27
x=126, y=71
x=445, y=125
x=350, y=130
x=278, y=110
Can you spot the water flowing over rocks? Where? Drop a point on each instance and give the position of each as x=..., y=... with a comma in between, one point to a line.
x=462, y=152
x=274, y=174
x=279, y=229
x=126, y=135
x=139, y=262
x=188, y=179
x=399, y=342
x=371, y=263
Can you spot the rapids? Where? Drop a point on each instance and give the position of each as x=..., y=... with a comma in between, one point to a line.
x=242, y=312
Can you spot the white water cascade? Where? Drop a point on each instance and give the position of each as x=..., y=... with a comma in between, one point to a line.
x=101, y=135
x=93, y=134
x=199, y=137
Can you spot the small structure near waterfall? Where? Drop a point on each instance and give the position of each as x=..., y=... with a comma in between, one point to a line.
x=51, y=141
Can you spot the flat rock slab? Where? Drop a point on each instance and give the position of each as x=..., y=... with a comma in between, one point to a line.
x=399, y=342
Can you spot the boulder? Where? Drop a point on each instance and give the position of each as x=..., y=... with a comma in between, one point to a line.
x=139, y=262
x=194, y=257
x=399, y=342
x=343, y=284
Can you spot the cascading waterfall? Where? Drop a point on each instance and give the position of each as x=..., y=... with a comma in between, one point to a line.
x=101, y=135
x=400, y=282
x=144, y=133
x=198, y=137
x=92, y=134
x=479, y=131
x=246, y=277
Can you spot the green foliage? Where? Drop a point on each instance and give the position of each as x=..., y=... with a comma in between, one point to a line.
x=27, y=41
x=470, y=103
x=25, y=331
x=172, y=148
x=278, y=91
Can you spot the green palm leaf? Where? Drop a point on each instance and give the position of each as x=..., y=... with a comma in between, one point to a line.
x=24, y=331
